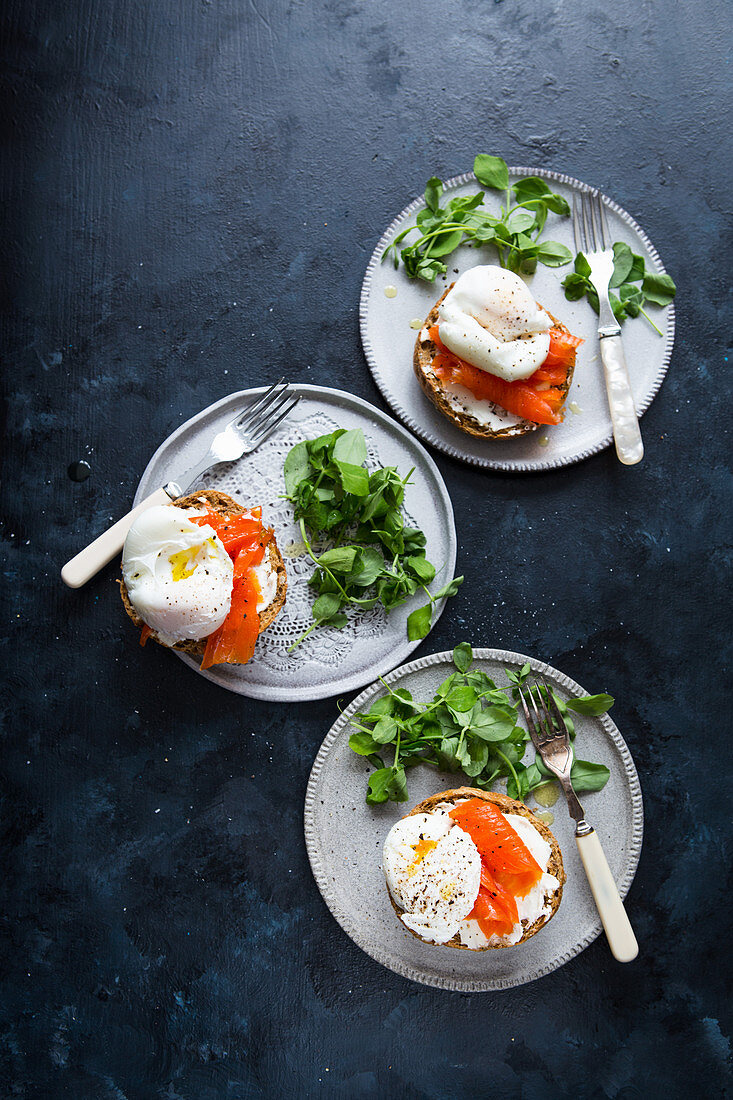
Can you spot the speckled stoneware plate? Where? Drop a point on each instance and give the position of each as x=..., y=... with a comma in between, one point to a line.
x=329, y=661
x=345, y=837
x=389, y=339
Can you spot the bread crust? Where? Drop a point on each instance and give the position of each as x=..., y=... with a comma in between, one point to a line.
x=227, y=507
x=507, y=806
x=422, y=361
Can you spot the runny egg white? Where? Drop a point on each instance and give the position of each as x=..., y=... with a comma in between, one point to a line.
x=433, y=871
x=178, y=574
x=491, y=320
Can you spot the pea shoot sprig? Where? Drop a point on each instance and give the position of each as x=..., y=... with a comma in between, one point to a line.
x=633, y=284
x=471, y=725
x=514, y=232
x=372, y=556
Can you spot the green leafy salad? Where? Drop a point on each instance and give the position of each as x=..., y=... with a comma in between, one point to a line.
x=514, y=232
x=470, y=726
x=372, y=556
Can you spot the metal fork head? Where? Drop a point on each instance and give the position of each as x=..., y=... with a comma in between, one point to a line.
x=254, y=424
x=590, y=227
x=549, y=735
x=250, y=427
x=546, y=727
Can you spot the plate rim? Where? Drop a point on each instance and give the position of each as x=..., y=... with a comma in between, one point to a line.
x=505, y=465
x=355, y=682
x=320, y=872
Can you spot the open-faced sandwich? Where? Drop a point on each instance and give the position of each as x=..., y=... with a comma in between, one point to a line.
x=491, y=359
x=203, y=575
x=473, y=869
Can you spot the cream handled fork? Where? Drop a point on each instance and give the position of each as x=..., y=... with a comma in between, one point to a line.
x=593, y=240
x=250, y=427
x=550, y=737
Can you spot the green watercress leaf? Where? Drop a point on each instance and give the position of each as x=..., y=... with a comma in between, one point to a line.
x=378, y=788
x=326, y=606
x=339, y=560
x=491, y=172
x=363, y=743
x=553, y=254
x=418, y=622
x=591, y=704
x=433, y=191
x=531, y=187
x=297, y=465
x=385, y=730
x=449, y=589
x=659, y=289
x=354, y=479
x=463, y=656
x=587, y=776
x=350, y=447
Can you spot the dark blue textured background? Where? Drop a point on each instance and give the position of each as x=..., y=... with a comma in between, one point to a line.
x=191, y=192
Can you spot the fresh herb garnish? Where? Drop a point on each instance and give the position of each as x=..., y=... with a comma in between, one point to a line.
x=371, y=556
x=634, y=285
x=470, y=726
x=514, y=232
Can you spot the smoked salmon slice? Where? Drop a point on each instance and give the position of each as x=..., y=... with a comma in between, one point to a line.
x=495, y=909
x=234, y=641
x=245, y=539
x=503, y=853
x=537, y=398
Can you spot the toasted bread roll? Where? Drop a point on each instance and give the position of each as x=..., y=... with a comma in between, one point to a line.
x=450, y=404
x=226, y=506
x=507, y=806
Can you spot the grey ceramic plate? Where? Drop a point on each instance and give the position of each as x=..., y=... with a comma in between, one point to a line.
x=344, y=838
x=329, y=661
x=389, y=340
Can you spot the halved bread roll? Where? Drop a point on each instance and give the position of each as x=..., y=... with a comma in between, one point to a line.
x=227, y=507
x=448, y=401
x=552, y=895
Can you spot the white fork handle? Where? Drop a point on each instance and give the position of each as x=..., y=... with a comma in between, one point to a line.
x=95, y=556
x=626, y=434
x=619, y=933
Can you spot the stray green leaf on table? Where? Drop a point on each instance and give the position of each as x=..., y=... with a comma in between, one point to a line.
x=373, y=557
x=471, y=725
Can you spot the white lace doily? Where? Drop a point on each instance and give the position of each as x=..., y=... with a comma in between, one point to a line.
x=329, y=660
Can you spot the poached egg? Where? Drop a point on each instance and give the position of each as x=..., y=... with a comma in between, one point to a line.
x=178, y=575
x=491, y=320
x=433, y=871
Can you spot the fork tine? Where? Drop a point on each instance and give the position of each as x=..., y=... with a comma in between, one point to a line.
x=553, y=709
x=540, y=732
x=274, y=405
x=533, y=732
x=244, y=417
x=541, y=712
x=605, y=235
x=267, y=431
x=595, y=211
x=588, y=228
x=577, y=227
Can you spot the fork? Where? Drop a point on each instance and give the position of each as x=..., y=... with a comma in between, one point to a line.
x=592, y=238
x=242, y=435
x=549, y=735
